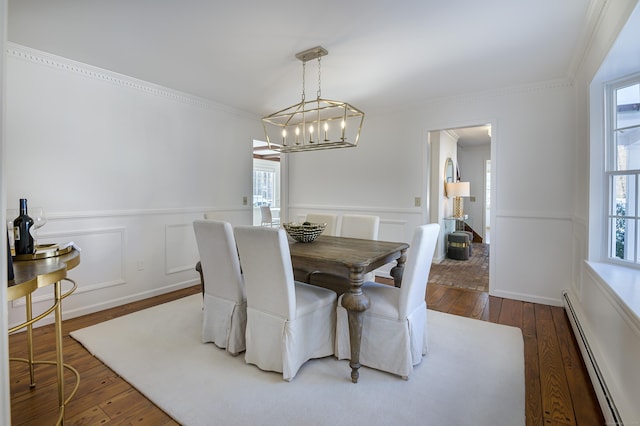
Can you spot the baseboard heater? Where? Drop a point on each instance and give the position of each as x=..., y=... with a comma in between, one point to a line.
x=611, y=414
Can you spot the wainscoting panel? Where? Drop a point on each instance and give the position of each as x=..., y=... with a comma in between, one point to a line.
x=531, y=258
x=181, y=249
x=126, y=255
x=394, y=230
x=101, y=260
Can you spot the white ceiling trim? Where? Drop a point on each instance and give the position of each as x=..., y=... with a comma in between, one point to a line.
x=64, y=64
x=69, y=65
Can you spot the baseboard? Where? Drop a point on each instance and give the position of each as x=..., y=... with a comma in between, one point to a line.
x=90, y=309
x=607, y=404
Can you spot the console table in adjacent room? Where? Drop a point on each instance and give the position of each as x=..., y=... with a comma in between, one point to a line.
x=32, y=272
x=453, y=223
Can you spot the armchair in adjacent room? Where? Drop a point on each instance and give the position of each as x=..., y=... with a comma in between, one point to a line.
x=267, y=217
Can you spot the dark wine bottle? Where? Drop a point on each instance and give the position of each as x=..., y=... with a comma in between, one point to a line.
x=10, y=275
x=22, y=230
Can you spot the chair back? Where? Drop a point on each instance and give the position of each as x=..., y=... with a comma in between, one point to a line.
x=268, y=273
x=265, y=211
x=416, y=273
x=330, y=219
x=360, y=226
x=219, y=259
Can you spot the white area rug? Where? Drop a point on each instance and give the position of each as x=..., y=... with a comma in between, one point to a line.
x=472, y=375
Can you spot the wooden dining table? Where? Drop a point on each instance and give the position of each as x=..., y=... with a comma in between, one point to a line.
x=351, y=258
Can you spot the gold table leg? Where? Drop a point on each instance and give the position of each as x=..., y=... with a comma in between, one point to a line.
x=59, y=362
x=29, y=312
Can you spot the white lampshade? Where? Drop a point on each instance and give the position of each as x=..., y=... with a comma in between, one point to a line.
x=458, y=189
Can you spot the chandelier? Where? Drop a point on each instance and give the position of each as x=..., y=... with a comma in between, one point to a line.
x=313, y=125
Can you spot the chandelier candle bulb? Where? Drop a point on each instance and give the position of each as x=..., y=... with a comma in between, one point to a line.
x=297, y=135
x=311, y=134
x=284, y=137
x=326, y=128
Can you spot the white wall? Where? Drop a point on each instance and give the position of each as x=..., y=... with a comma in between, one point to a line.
x=532, y=173
x=611, y=328
x=5, y=403
x=472, y=161
x=443, y=146
x=123, y=168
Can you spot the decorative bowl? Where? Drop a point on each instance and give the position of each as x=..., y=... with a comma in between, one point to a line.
x=304, y=232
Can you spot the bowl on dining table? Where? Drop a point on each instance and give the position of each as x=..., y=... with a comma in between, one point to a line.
x=305, y=232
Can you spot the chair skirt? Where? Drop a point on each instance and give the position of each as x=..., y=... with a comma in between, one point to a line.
x=224, y=322
x=277, y=344
x=388, y=343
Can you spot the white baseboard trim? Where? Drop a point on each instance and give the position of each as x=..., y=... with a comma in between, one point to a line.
x=607, y=404
x=90, y=309
x=525, y=297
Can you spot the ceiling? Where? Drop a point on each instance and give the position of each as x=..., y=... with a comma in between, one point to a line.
x=382, y=54
x=472, y=136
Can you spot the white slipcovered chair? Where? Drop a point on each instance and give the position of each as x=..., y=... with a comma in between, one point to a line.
x=267, y=218
x=288, y=322
x=225, y=303
x=360, y=226
x=330, y=219
x=394, y=330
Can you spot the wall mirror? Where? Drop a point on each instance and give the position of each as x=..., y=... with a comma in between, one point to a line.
x=449, y=171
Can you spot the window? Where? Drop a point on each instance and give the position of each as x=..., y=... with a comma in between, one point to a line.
x=266, y=187
x=623, y=170
x=263, y=187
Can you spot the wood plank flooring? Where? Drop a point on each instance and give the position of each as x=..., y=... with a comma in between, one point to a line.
x=558, y=390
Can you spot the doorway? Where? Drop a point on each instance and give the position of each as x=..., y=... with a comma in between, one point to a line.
x=470, y=150
x=473, y=149
x=266, y=181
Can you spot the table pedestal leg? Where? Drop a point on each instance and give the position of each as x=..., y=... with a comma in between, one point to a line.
x=355, y=302
x=397, y=271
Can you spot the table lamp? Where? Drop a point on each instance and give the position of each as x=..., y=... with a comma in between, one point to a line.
x=457, y=190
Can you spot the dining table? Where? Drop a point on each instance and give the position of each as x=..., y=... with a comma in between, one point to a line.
x=350, y=258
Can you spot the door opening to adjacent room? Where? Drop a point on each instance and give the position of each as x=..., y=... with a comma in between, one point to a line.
x=466, y=150
x=266, y=181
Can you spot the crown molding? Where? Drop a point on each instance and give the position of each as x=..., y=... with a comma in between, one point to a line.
x=89, y=71
x=595, y=13
x=540, y=86
x=452, y=133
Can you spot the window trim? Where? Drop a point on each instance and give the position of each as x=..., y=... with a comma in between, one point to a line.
x=610, y=172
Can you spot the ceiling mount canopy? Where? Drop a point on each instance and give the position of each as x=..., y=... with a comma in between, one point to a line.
x=313, y=125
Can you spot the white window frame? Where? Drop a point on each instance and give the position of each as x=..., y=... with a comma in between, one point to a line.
x=611, y=173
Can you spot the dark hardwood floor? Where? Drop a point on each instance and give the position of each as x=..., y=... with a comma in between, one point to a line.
x=558, y=390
